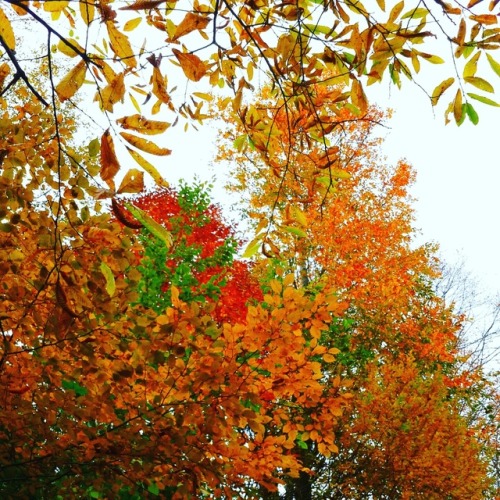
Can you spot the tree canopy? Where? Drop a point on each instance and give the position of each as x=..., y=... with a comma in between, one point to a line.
x=140, y=354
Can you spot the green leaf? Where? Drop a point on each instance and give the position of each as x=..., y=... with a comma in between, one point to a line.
x=150, y=224
x=494, y=65
x=253, y=247
x=153, y=489
x=483, y=99
x=94, y=147
x=71, y=385
x=471, y=113
x=294, y=230
x=110, y=279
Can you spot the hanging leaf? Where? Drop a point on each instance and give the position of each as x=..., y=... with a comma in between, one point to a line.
x=190, y=23
x=471, y=113
x=457, y=106
x=483, y=99
x=143, y=125
x=294, y=230
x=112, y=93
x=480, y=83
x=471, y=67
x=253, y=247
x=440, y=90
x=132, y=24
x=194, y=68
x=70, y=84
x=67, y=50
x=6, y=31
x=121, y=45
x=494, y=65
x=110, y=279
x=145, y=145
x=109, y=161
x=149, y=168
x=133, y=182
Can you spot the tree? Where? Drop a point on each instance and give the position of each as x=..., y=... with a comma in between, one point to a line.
x=398, y=341
x=107, y=389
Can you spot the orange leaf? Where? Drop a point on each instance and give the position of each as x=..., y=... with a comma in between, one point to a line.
x=143, y=125
x=133, y=182
x=190, y=23
x=194, y=68
x=109, y=161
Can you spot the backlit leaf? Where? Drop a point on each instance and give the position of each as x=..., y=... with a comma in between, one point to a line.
x=109, y=161
x=143, y=125
x=471, y=67
x=121, y=45
x=191, y=22
x=480, y=83
x=70, y=84
x=457, y=106
x=194, y=68
x=145, y=145
x=294, y=230
x=494, y=65
x=131, y=24
x=149, y=223
x=133, y=182
x=6, y=31
x=148, y=167
x=483, y=99
x=441, y=89
x=471, y=113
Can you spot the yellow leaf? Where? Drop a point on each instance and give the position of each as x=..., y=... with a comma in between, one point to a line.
x=480, y=83
x=358, y=96
x=190, y=23
x=6, y=31
x=67, y=50
x=55, y=6
x=69, y=85
x=159, y=87
x=299, y=216
x=132, y=24
x=145, y=145
x=149, y=223
x=440, y=90
x=112, y=93
x=133, y=182
x=109, y=161
x=395, y=11
x=87, y=11
x=121, y=45
x=134, y=102
x=143, y=125
x=495, y=66
x=194, y=68
x=471, y=66
x=149, y=168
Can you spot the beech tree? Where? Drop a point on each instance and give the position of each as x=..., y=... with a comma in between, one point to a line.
x=347, y=231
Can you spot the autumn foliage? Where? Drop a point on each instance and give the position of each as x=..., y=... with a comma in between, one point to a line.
x=140, y=355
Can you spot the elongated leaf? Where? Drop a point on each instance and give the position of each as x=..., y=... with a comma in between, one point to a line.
x=149, y=168
x=121, y=45
x=110, y=279
x=70, y=84
x=143, y=125
x=145, y=145
x=132, y=24
x=150, y=224
x=294, y=230
x=458, y=106
x=6, y=31
x=194, y=68
x=253, y=247
x=494, y=65
x=480, y=83
x=109, y=161
x=471, y=66
x=112, y=93
x=471, y=113
x=483, y=99
x=441, y=89
x=67, y=50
